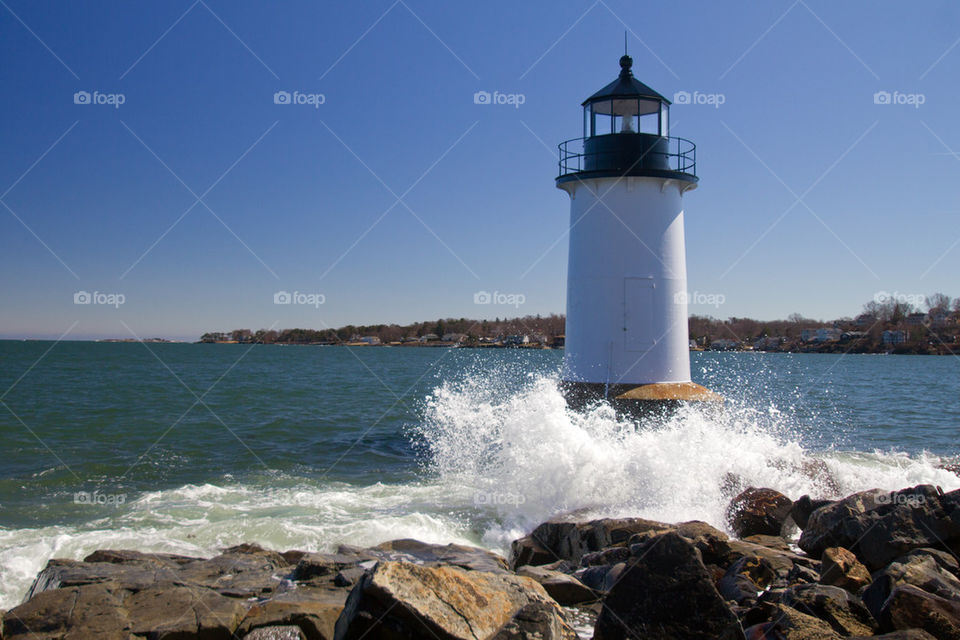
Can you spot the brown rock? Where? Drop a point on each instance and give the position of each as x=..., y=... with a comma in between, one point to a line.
x=910, y=607
x=401, y=599
x=758, y=511
x=790, y=624
x=563, y=588
x=72, y=613
x=183, y=612
x=313, y=611
x=840, y=568
x=843, y=611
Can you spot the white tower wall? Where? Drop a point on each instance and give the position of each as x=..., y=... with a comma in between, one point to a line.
x=627, y=282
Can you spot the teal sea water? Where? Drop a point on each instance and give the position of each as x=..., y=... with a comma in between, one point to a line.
x=190, y=448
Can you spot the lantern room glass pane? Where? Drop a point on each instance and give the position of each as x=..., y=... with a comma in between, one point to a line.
x=664, y=120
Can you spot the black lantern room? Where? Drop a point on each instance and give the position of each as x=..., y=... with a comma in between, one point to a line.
x=626, y=133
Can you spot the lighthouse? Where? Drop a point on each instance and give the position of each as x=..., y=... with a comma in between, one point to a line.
x=626, y=335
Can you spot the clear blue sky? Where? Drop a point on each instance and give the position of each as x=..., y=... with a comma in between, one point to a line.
x=812, y=197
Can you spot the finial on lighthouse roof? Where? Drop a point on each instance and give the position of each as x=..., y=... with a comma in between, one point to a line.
x=626, y=65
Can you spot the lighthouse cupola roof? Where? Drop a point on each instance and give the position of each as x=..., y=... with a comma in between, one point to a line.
x=626, y=86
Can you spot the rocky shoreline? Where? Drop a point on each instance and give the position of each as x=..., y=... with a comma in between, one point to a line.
x=874, y=564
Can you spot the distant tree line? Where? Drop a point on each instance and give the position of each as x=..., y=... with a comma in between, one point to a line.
x=545, y=326
x=939, y=327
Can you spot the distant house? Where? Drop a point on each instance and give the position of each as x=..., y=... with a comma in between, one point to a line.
x=866, y=320
x=430, y=337
x=831, y=334
x=768, y=342
x=853, y=335
x=559, y=341
x=723, y=345
x=515, y=341
x=370, y=340
x=940, y=319
x=454, y=337
x=916, y=319
x=894, y=337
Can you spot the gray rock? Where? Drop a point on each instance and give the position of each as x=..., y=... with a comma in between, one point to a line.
x=666, y=592
x=275, y=633
x=535, y=621
x=435, y=555
x=313, y=610
x=183, y=612
x=880, y=526
x=929, y=569
x=559, y=540
x=563, y=588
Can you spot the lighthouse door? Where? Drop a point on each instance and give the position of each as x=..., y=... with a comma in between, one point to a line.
x=638, y=314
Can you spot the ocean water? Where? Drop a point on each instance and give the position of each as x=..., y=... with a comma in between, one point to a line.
x=192, y=448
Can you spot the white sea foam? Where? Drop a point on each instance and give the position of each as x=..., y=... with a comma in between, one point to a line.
x=496, y=463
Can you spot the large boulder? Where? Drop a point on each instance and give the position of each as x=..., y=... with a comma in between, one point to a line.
x=183, y=612
x=561, y=540
x=758, y=511
x=665, y=592
x=563, y=588
x=840, y=568
x=435, y=555
x=840, y=609
x=789, y=624
x=803, y=507
x=929, y=569
x=70, y=613
x=402, y=599
x=910, y=607
x=880, y=526
x=314, y=611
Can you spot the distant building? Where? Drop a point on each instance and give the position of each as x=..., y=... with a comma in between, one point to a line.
x=370, y=340
x=515, y=341
x=866, y=320
x=768, y=342
x=831, y=334
x=916, y=319
x=430, y=337
x=723, y=345
x=454, y=337
x=559, y=341
x=894, y=337
x=853, y=335
x=940, y=319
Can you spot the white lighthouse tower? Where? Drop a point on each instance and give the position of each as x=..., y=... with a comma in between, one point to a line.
x=626, y=334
